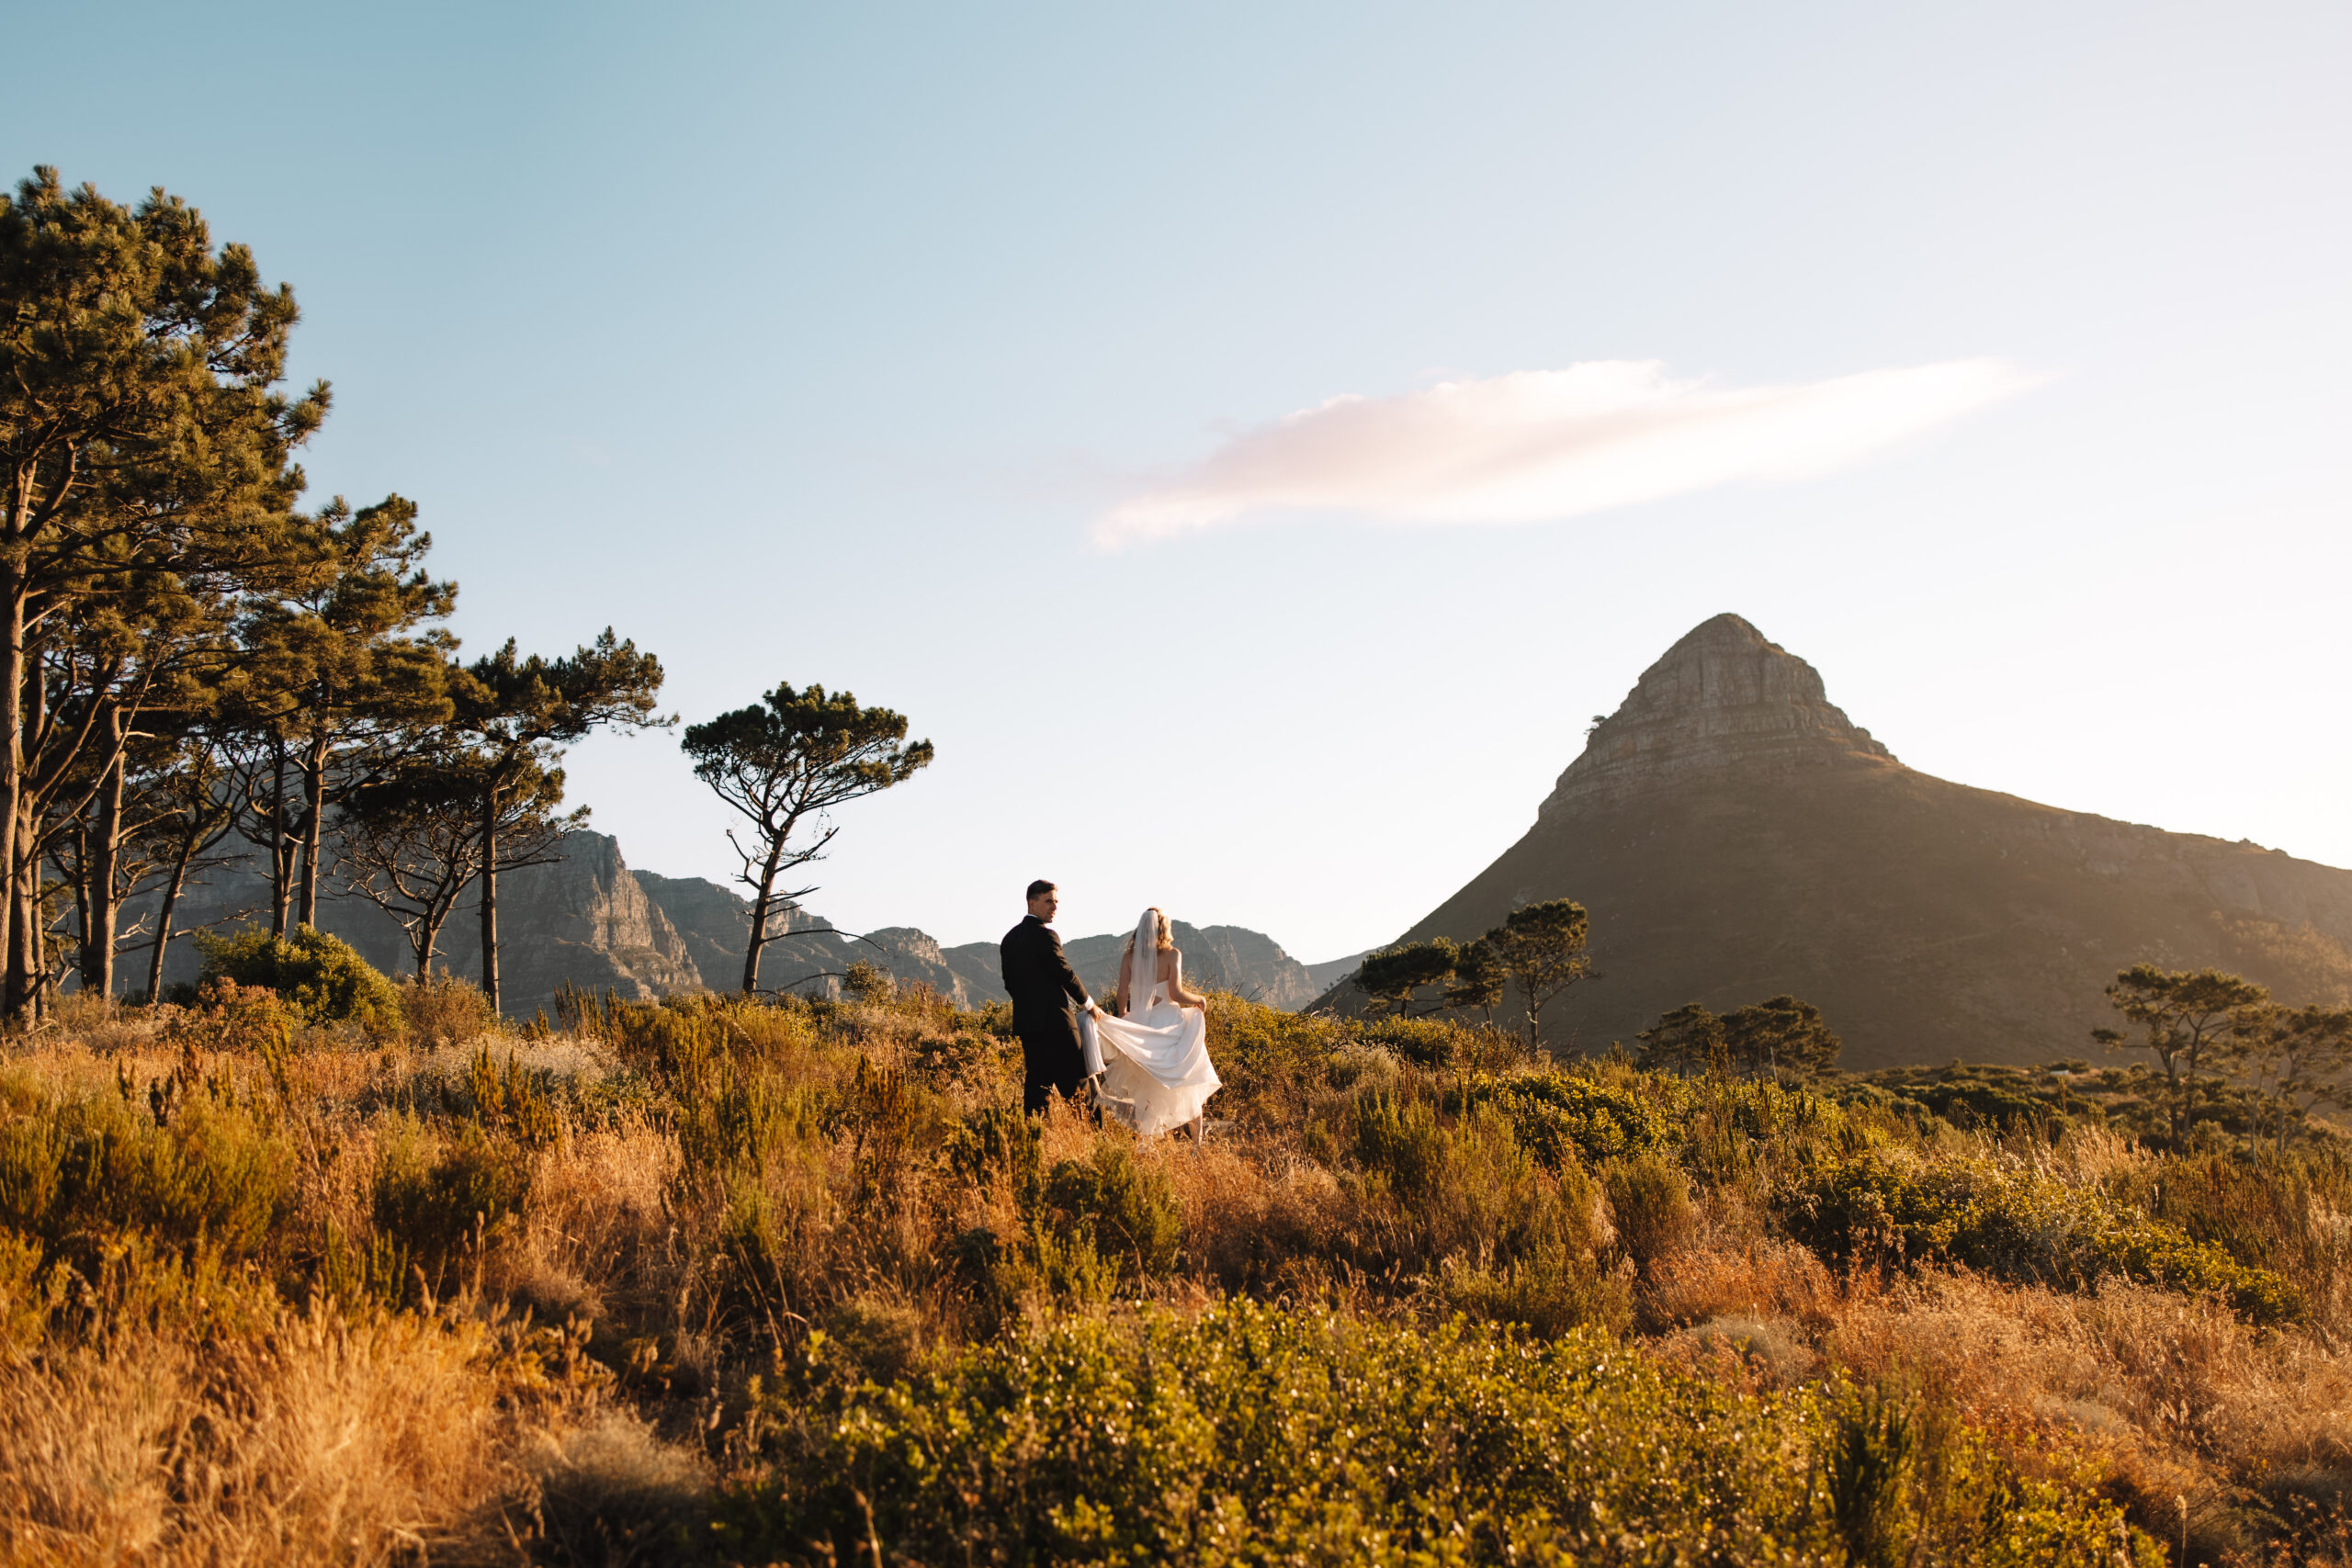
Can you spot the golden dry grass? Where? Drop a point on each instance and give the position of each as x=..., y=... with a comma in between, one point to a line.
x=720, y=1183
x=319, y=1440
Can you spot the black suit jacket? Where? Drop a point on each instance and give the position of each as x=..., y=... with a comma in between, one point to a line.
x=1043, y=988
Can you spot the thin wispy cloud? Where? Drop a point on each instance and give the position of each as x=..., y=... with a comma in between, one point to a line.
x=1540, y=444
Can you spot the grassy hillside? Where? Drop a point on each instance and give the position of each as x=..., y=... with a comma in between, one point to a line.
x=725, y=1282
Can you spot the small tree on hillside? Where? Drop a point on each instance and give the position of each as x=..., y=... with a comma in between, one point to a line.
x=2192, y=1023
x=1542, y=947
x=1688, y=1040
x=1478, y=978
x=2299, y=1056
x=1391, y=975
x=1780, y=1035
x=784, y=764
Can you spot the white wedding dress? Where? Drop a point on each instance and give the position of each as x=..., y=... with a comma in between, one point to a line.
x=1156, y=1073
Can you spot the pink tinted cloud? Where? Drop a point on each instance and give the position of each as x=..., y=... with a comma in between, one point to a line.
x=1540, y=444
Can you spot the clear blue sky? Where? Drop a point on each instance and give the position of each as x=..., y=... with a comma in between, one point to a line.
x=816, y=343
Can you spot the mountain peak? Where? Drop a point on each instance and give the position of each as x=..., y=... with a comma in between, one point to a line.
x=1724, y=698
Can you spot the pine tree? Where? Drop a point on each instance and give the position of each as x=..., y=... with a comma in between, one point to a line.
x=518, y=714
x=344, y=671
x=1391, y=975
x=783, y=763
x=411, y=843
x=1542, y=946
x=141, y=438
x=2189, y=1020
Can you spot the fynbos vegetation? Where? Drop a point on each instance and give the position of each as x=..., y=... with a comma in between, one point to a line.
x=734, y=1281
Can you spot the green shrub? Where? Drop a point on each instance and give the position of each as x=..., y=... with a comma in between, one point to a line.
x=1254, y=1435
x=441, y=1010
x=319, y=973
x=1400, y=1141
x=434, y=1201
x=215, y=1175
x=1873, y=1452
x=1549, y=1290
x=1465, y=1186
x=1424, y=1042
x=996, y=1148
x=1122, y=1204
x=737, y=1118
x=1877, y=1205
x=511, y=1098
x=1269, y=1060
x=866, y=983
x=2272, y=1212
x=1563, y=1117
x=1649, y=1198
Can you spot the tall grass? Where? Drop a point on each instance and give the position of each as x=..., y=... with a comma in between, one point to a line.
x=694, y=1282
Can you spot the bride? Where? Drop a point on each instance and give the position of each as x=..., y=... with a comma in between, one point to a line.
x=1155, y=1058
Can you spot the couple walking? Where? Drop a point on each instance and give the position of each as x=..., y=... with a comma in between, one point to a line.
x=1152, y=1069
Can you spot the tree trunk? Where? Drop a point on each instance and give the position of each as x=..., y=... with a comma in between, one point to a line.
x=81, y=835
x=23, y=865
x=314, y=780
x=24, y=934
x=429, y=935
x=102, y=846
x=760, y=919
x=490, y=895
x=15, y=989
x=281, y=866
x=163, y=920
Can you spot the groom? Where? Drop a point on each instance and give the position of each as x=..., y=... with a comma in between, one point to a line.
x=1043, y=989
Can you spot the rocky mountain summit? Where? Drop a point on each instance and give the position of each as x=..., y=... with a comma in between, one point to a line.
x=1722, y=698
x=1734, y=836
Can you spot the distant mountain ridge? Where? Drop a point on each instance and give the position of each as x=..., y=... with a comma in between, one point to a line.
x=1734, y=835
x=588, y=919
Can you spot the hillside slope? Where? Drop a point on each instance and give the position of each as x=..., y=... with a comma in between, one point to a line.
x=1734, y=835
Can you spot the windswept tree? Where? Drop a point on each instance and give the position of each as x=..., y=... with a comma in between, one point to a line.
x=1688, y=1040
x=1478, y=978
x=2298, y=1057
x=141, y=435
x=412, y=842
x=517, y=715
x=1542, y=947
x=1393, y=974
x=2193, y=1022
x=785, y=763
x=1780, y=1034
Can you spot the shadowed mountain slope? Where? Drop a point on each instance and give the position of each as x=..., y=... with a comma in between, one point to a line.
x=1734, y=836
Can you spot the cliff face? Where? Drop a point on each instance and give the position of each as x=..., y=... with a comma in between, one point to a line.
x=915, y=958
x=1216, y=958
x=1722, y=699
x=586, y=919
x=1221, y=958
x=715, y=925
x=582, y=917
x=1734, y=836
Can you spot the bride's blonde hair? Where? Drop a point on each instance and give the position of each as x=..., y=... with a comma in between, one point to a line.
x=1167, y=934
